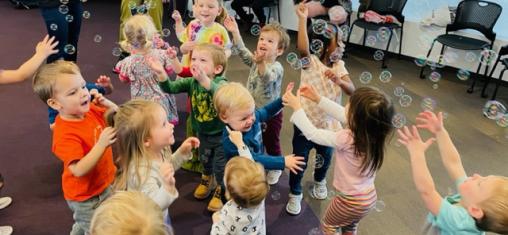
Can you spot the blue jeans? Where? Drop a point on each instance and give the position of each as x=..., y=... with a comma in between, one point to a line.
x=66, y=33
x=302, y=147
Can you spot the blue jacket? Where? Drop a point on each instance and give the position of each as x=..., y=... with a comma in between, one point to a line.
x=254, y=139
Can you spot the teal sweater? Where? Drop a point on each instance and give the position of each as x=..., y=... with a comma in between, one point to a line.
x=204, y=117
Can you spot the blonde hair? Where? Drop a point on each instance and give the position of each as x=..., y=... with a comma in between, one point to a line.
x=223, y=14
x=218, y=54
x=138, y=31
x=495, y=209
x=245, y=182
x=45, y=79
x=232, y=95
x=132, y=122
x=129, y=213
x=284, y=39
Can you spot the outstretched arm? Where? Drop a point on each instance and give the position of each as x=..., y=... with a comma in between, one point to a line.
x=303, y=41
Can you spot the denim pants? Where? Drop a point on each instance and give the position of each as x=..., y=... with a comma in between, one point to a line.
x=66, y=32
x=302, y=147
x=82, y=212
x=211, y=155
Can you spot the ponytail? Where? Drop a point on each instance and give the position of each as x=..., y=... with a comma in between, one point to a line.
x=223, y=14
x=109, y=116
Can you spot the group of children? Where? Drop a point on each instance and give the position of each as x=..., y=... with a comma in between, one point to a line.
x=237, y=131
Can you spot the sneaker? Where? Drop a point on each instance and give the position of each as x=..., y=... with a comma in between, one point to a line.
x=206, y=186
x=319, y=190
x=6, y=230
x=294, y=204
x=5, y=202
x=215, y=203
x=272, y=177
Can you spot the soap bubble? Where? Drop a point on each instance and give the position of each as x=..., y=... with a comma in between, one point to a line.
x=365, y=77
x=371, y=40
x=493, y=109
x=345, y=31
x=470, y=57
x=255, y=30
x=320, y=161
x=379, y=55
x=383, y=34
x=97, y=38
x=291, y=57
x=141, y=9
x=380, y=206
x=69, y=49
x=463, y=74
x=296, y=65
x=235, y=50
x=316, y=46
x=86, y=15
x=64, y=9
x=435, y=86
x=435, y=76
x=502, y=121
x=132, y=5
x=335, y=55
x=64, y=1
x=405, y=101
x=428, y=104
x=166, y=32
x=488, y=57
x=305, y=62
x=319, y=26
x=275, y=195
x=385, y=76
x=69, y=18
x=53, y=27
x=315, y=231
x=398, y=91
x=421, y=61
x=398, y=120
x=117, y=51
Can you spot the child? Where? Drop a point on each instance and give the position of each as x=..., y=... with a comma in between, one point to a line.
x=330, y=78
x=246, y=186
x=144, y=146
x=208, y=66
x=81, y=139
x=236, y=108
x=359, y=150
x=205, y=28
x=482, y=201
x=265, y=79
x=129, y=213
x=139, y=32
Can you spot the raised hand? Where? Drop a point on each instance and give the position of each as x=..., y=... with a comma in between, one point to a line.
x=236, y=137
x=293, y=163
x=189, y=144
x=107, y=137
x=259, y=57
x=176, y=16
x=172, y=52
x=231, y=25
x=187, y=47
x=430, y=121
x=301, y=10
x=309, y=92
x=288, y=99
x=198, y=73
x=105, y=82
x=47, y=46
x=412, y=140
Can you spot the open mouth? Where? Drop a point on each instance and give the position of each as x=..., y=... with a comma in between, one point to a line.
x=85, y=103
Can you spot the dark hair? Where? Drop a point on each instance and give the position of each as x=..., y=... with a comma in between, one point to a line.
x=328, y=38
x=369, y=118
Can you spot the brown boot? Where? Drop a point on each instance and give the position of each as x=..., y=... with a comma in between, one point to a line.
x=206, y=186
x=215, y=203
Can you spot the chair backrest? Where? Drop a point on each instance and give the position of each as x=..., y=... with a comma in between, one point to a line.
x=388, y=7
x=503, y=51
x=478, y=15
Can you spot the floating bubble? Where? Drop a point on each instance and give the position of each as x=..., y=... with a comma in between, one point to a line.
x=445, y=115
x=69, y=49
x=305, y=62
x=117, y=51
x=398, y=91
x=64, y=1
x=336, y=55
x=86, y=15
x=291, y=57
x=383, y=34
x=166, y=32
x=463, y=74
x=255, y=29
x=365, y=77
x=315, y=231
x=64, y=9
x=316, y=46
x=97, y=38
x=385, y=76
x=69, y=18
x=320, y=161
x=494, y=110
x=53, y=27
x=470, y=57
x=235, y=50
x=488, y=57
x=296, y=65
x=435, y=76
x=345, y=31
x=428, y=104
x=380, y=206
x=379, y=55
x=132, y=5
x=319, y=26
x=371, y=40
x=398, y=120
x=435, y=86
x=502, y=121
x=141, y=9
x=421, y=61
x=405, y=101
x=331, y=194
x=275, y=195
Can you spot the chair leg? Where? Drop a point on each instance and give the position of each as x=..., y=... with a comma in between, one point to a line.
x=364, y=36
x=400, y=41
x=278, y=12
x=269, y=14
x=484, y=95
x=498, y=81
x=475, y=77
x=383, y=64
x=428, y=54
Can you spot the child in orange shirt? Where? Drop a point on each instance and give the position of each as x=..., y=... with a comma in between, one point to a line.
x=81, y=139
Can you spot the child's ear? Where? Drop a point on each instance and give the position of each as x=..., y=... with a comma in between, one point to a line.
x=54, y=104
x=218, y=69
x=280, y=51
x=223, y=118
x=475, y=211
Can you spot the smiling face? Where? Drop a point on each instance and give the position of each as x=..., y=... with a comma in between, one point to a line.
x=268, y=44
x=161, y=132
x=204, y=60
x=70, y=97
x=240, y=119
x=206, y=11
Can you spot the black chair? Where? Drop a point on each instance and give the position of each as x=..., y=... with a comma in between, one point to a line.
x=471, y=14
x=502, y=53
x=383, y=7
x=270, y=5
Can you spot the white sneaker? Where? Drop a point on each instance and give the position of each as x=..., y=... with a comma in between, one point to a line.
x=272, y=177
x=6, y=230
x=4, y=202
x=294, y=204
x=319, y=190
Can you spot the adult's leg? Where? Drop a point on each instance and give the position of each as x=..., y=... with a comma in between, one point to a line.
x=238, y=5
x=258, y=7
x=53, y=18
x=156, y=13
x=76, y=10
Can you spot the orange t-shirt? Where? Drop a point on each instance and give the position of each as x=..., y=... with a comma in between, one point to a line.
x=72, y=140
